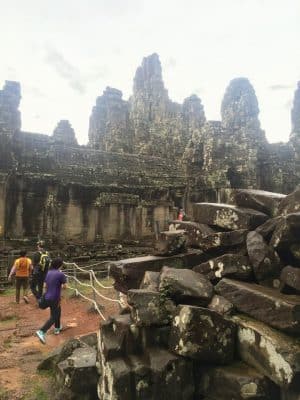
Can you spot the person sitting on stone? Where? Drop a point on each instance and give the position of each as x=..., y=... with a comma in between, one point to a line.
x=22, y=268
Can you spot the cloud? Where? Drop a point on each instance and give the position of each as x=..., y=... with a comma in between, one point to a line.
x=65, y=69
x=76, y=80
x=280, y=87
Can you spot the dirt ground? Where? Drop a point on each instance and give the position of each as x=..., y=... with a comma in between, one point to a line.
x=20, y=349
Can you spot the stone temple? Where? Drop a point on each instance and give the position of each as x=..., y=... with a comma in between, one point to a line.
x=146, y=157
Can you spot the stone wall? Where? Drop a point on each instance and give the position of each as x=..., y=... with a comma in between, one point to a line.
x=145, y=156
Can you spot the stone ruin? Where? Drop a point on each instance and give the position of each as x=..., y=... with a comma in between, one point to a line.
x=146, y=157
x=213, y=315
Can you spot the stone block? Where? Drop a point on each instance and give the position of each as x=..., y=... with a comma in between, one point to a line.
x=185, y=286
x=264, y=259
x=116, y=380
x=265, y=304
x=237, y=381
x=150, y=307
x=228, y=216
x=128, y=273
x=150, y=280
x=231, y=265
x=267, y=228
x=202, y=334
x=170, y=243
x=222, y=241
x=194, y=231
x=286, y=231
x=260, y=200
x=291, y=203
x=270, y=352
x=290, y=277
x=220, y=305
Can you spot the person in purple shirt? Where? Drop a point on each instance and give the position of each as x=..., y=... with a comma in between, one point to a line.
x=54, y=282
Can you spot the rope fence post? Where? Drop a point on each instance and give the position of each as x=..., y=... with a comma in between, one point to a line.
x=75, y=279
x=93, y=288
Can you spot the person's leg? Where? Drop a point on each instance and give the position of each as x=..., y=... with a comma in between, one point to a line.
x=33, y=285
x=57, y=314
x=18, y=289
x=40, y=284
x=25, y=289
x=51, y=320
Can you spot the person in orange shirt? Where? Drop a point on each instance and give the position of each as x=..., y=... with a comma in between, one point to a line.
x=22, y=269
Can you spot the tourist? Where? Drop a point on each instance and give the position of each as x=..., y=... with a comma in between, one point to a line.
x=22, y=268
x=41, y=262
x=180, y=215
x=54, y=282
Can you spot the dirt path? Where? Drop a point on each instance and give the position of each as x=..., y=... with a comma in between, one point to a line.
x=20, y=349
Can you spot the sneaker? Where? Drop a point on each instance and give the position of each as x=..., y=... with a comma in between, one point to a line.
x=40, y=334
x=57, y=331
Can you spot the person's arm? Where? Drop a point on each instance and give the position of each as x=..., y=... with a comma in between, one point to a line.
x=12, y=272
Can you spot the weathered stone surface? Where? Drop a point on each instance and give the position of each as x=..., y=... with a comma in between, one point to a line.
x=290, y=394
x=202, y=334
x=263, y=303
x=291, y=203
x=290, y=277
x=270, y=352
x=129, y=273
x=264, y=259
x=160, y=375
x=79, y=373
x=286, y=232
x=150, y=281
x=150, y=307
x=185, y=286
x=64, y=134
x=260, y=200
x=228, y=216
x=170, y=243
x=237, y=382
x=266, y=229
x=220, y=305
x=223, y=240
x=194, y=231
x=231, y=265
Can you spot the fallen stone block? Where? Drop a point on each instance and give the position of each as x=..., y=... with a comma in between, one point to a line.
x=128, y=273
x=194, y=231
x=79, y=372
x=291, y=203
x=264, y=259
x=231, y=265
x=265, y=304
x=150, y=307
x=202, y=334
x=286, y=232
x=170, y=243
x=150, y=280
x=116, y=380
x=220, y=305
x=185, y=286
x=270, y=352
x=237, y=382
x=267, y=228
x=228, y=216
x=260, y=200
x=222, y=241
x=290, y=277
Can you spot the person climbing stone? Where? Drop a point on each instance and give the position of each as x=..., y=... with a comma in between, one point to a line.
x=22, y=268
x=54, y=282
x=41, y=262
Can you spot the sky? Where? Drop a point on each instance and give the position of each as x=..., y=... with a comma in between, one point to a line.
x=65, y=52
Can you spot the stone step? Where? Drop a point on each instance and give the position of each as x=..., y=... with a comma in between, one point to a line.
x=228, y=216
x=265, y=304
x=270, y=352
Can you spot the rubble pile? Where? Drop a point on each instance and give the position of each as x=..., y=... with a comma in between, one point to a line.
x=217, y=321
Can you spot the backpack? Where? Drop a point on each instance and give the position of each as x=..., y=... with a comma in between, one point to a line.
x=45, y=261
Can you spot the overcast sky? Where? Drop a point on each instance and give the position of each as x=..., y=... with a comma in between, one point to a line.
x=65, y=52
